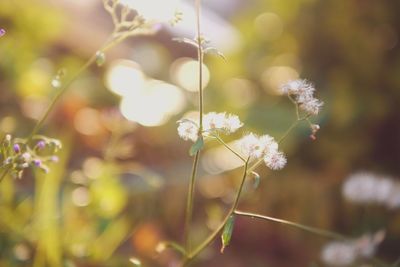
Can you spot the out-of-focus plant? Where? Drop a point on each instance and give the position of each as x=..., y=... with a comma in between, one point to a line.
x=254, y=150
x=18, y=154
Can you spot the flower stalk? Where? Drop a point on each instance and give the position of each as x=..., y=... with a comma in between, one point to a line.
x=190, y=197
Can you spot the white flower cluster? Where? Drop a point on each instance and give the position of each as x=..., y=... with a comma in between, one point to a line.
x=303, y=92
x=265, y=147
x=345, y=253
x=368, y=188
x=188, y=129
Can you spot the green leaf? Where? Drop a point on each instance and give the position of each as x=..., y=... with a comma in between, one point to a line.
x=214, y=51
x=257, y=179
x=227, y=232
x=186, y=41
x=197, y=146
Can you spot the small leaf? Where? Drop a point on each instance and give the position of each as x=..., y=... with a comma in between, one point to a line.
x=197, y=146
x=257, y=179
x=214, y=51
x=186, y=41
x=100, y=58
x=227, y=232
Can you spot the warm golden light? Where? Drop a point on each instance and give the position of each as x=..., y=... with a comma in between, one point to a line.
x=87, y=121
x=158, y=10
x=125, y=78
x=153, y=105
x=273, y=77
x=185, y=72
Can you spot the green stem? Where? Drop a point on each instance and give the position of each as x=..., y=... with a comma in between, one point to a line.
x=200, y=59
x=190, y=198
x=189, y=202
x=219, y=139
x=213, y=235
x=112, y=41
x=310, y=229
x=286, y=134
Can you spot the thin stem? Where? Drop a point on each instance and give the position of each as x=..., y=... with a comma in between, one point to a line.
x=112, y=41
x=310, y=229
x=200, y=59
x=214, y=234
x=286, y=134
x=61, y=91
x=189, y=202
x=219, y=139
x=190, y=198
x=296, y=105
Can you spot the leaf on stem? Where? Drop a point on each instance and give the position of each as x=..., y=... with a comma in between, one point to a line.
x=227, y=232
x=214, y=51
x=257, y=179
x=197, y=146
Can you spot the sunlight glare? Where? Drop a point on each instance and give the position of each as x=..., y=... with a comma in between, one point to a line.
x=154, y=105
x=158, y=10
x=125, y=78
x=185, y=73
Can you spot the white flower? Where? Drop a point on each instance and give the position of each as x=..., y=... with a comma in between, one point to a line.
x=227, y=123
x=312, y=106
x=188, y=130
x=303, y=92
x=256, y=147
x=346, y=252
x=268, y=143
x=212, y=122
x=339, y=253
x=367, y=188
x=232, y=123
x=275, y=160
x=298, y=87
x=251, y=146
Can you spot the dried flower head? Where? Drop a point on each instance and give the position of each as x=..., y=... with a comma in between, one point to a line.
x=368, y=188
x=345, y=253
x=339, y=253
x=213, y=123
x=303, y=93
x=188, y=129
x=265, y=147
x=275, y=160
x=228, y=123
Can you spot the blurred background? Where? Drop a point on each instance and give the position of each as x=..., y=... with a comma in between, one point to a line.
x=120, y=186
